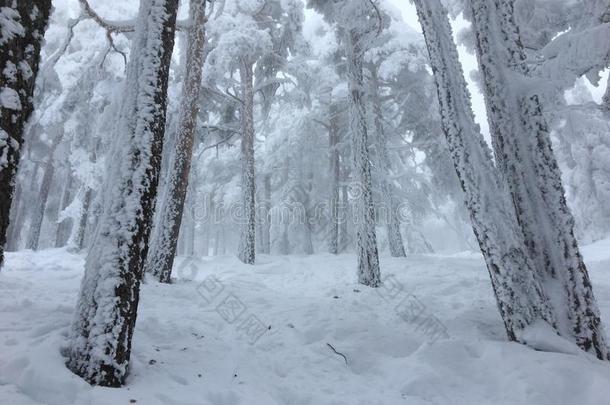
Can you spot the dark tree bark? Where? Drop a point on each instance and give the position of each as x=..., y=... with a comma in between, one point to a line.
x=161, y=259
x=20, y=43
x=522, y=146
x=101, y=335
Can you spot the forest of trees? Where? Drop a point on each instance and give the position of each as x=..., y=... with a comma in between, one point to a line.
x=213, y=127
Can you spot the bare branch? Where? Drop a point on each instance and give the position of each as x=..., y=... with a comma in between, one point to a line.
x=217, y=144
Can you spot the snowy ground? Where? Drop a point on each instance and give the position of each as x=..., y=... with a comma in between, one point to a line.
x=186, y=352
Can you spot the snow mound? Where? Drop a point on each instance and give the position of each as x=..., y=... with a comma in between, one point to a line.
x=275, y=333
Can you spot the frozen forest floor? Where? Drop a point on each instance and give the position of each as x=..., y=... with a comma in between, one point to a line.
x=189, y=349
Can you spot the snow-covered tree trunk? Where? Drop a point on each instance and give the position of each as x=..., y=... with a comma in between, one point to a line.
x=518, y=292
x=79, y=239
x=16, y=228
x=522, y=146
x=64, y=226
x=335, y=173
x=161, y=259
x=606, y=98
x=368, y=259
x=101, y=334
x=265, y=238
x=390, y=204
x=344, y=238
x=22, y=27
x=248, y=182
x=40, y=204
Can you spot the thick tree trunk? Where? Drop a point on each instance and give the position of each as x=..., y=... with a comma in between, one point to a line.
x=522, y=146
x=22, y=27
x=105, y=318
x=248, y=233
x=64, y=227
x=519, y=295
x=368, y=259
x=335, y=173
x=161, y=260
x=390, y=204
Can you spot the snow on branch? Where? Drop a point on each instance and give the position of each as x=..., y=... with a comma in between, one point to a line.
x=575, y=54
x=109, y=26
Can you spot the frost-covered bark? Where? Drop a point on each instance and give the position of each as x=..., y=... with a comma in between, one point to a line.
x=100, y=339
x=79, y=239
x=606, y=98
x=248, y=182
x=43, y=195
x=64, y=225
x=22, y=27
x=161, y=259
x=335, y=173
x=390, y=203
x=523, y=151
x=368, y=258
x=265, y=238
x=519, y=295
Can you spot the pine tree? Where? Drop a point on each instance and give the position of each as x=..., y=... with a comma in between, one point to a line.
x=518, y=292
x=100, y=345
x=43, y=196
x=22, y=27
x=161, y=259
x=335, y=172
x=522, y=147
x=390, y=201
x=247, y=248
x=368, y=259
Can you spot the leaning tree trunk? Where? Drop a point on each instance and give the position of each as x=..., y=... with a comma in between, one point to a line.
x=522, y=146
x=100, y=344
x=335, y=173
x=390, y=203
x=368, y=259
x=248, y=233
x=22, y=28
x=519, y=295
x=43, y=195
x=161, y=259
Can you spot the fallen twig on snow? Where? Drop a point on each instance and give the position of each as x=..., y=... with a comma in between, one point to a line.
x=336, y=352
